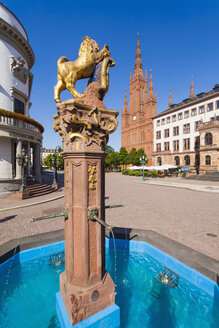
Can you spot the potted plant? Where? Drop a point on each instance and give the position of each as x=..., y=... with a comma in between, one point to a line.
x=154, y=174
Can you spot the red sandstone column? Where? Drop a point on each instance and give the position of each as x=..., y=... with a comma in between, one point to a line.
x=85, y=286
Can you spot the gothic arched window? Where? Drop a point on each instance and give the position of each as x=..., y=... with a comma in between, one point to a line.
x=159, y=161
x=177, y=160
x=186, y=160
x=208, y=139
x=208, y=160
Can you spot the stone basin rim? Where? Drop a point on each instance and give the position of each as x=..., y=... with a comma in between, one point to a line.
x=200, y=262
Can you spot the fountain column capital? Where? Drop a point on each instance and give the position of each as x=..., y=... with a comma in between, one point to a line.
x=84, y=127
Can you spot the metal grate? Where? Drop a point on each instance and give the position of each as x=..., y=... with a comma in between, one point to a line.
x=57, y=259
x=168, y=278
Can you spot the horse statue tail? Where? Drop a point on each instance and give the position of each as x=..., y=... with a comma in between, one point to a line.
x=62, y=59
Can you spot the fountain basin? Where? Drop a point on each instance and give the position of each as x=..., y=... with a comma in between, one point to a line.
x=29, y=284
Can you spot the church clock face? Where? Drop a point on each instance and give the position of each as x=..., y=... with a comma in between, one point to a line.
x=134, y=118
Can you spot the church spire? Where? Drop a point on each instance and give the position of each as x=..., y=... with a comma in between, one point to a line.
x=151, y=91
x=170, y=98
x=138, y=64
x=192, y=90
x=125, y=102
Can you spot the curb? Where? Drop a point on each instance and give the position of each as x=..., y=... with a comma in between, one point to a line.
x=31, y=204
x=183, y=186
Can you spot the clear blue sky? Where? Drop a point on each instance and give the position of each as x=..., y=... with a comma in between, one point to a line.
x=179, y=39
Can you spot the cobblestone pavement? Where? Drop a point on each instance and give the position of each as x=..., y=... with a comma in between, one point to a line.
x=183, y=215
x=180, y=214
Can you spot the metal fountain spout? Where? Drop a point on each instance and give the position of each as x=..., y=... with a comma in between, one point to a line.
x=93, y=216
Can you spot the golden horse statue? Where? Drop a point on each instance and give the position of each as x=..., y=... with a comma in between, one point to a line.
x=83, y=67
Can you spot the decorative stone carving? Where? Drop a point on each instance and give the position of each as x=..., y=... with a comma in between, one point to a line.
x=92, y=176
x=18, y=69
x=76, y=121
x=78, y=312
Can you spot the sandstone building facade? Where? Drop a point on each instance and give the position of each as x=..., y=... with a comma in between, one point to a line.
x=136, y=119
x=187, y=133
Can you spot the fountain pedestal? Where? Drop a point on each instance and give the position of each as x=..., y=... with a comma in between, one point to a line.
x=86, y=288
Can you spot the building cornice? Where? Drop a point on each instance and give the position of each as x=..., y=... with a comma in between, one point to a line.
x=15, y=18
x=184, y=106
x=13, y=37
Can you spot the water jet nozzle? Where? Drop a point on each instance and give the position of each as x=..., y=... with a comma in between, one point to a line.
x=93, y=216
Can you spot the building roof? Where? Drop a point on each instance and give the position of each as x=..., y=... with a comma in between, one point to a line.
x=188, y=101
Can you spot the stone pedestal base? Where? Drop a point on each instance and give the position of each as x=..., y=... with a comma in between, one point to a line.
x=109, y=317
x=21, y=195
x=82, y=302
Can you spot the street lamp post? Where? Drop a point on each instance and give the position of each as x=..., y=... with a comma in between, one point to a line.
x=54, y=163
x=23, y=160
x=143, y=161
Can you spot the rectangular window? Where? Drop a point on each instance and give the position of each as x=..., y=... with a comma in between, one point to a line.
x=176, y=145
x=186, y=114
x=158, y=147
x=166, y=133
x=163, y=121
x=186, y=144
x=180, y=116
x=210, y=107
x=158, y=134
x=201, y=109
x=176, y=131
x=166, y=146
x=168, y=119
x=158, y=123
x=186, y=128
x=196, y=125
x=194, y=112
x=217, y=104
x=174, y=118
x=19, y=106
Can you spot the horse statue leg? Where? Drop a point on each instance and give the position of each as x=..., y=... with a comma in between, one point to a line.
x=71, y=86
x=60, y=86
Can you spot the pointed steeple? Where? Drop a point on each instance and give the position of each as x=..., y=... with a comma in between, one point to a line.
x=192, y=90
x=146, y=76
x=156, y=95
x=130, y=78
x=146, y=87
x=125, y=102
x=151, y=91
x=170, y=98
x=138, y=64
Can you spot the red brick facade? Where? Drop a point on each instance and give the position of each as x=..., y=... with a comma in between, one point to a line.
x=136, y=121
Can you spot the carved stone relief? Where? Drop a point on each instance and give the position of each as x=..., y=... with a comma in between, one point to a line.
x=18, y=70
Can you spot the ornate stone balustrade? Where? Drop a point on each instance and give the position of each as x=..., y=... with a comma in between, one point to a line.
x=20, y=121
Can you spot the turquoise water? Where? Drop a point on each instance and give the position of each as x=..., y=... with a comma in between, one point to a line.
x=28, y=299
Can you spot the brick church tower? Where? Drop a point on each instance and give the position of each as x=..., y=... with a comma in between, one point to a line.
x=136, y=121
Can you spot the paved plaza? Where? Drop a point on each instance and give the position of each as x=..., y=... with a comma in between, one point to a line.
x=184, y=215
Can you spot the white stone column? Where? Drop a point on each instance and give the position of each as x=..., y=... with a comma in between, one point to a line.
x=18, y=152
x=36, y=161
x=28, y=152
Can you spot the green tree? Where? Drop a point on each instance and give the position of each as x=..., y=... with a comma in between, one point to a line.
x=133, y=157
x=48, y=160
x=109, y=149
x=112, y=160
x=60, y=162
x=123, y=156
x=140, y=153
